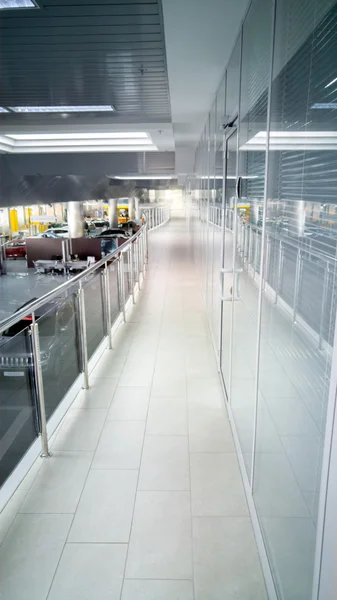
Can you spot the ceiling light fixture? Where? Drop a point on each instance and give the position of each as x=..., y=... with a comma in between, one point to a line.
x=331, y=82
x=61, y=109
x=292, y=140
x=3, y=110
x=12, y=4
x=143, y=177
x=116, y=135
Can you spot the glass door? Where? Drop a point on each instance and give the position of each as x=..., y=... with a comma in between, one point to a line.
x=229, y=288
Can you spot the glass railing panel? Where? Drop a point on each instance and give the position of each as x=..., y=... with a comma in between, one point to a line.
x=60, y=348
x=113, y=292
x=93, y=298
x=19, y=423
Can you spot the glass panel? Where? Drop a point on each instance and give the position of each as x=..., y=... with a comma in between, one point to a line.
x=59, y=349
x=299, y=303
x=18, y=412
x=94, y=312
x=256, y=59
x=113, y=291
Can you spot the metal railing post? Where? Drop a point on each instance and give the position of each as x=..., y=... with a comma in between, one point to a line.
x=34, y=330
x=107, y=304
x=139, y=263
x=297, y=282
x=132, y=273
x=83, y=335
x=120, y=280
x=324, y=298
x=279, y=272
x=266, y=270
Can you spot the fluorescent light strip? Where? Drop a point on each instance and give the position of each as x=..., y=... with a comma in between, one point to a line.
x=331, y=82
x=10, y=4
x=60, y=109
x=119, y=135
x=84, y=142
x=3, y=110
x=78, y=149
x=144, y=177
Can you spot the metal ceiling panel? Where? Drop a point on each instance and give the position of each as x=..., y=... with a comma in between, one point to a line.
x=86, y=53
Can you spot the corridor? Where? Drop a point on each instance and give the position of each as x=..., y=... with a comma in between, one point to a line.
x=142, y=498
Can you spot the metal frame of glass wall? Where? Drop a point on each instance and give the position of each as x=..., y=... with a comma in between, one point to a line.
x=264, y=226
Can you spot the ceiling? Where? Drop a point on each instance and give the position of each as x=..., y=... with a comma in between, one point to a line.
x=86, y=53
x=199, y=35
x=156, y=65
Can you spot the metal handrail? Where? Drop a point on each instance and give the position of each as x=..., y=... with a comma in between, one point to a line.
x=35, y=304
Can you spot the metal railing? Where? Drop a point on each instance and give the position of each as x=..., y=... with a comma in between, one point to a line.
x=297, y=275
x=46, y=346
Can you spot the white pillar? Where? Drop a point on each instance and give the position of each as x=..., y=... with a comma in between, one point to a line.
x=113, y=213
x=75, y=219
x=137, y=213
x=131, y=207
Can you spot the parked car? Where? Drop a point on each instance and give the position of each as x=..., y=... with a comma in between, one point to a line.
x=16, y=249
x=55, y=232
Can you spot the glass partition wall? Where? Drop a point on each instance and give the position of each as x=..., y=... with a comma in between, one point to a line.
x=264, y=230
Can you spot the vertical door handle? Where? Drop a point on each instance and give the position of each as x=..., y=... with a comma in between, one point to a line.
x=238, y=187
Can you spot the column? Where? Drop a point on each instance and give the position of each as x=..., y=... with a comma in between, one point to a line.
x=113, y=213
x=75, y=219
x=131, y=207
x=137, y=213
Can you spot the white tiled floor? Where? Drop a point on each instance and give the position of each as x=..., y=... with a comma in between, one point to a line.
x=142, y=498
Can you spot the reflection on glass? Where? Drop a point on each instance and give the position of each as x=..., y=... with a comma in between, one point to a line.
x=59, y=349
x=299, y=302
x=93, y=299
x=18, y=410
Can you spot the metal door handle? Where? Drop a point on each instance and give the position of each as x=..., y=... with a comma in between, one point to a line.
x=238, y=187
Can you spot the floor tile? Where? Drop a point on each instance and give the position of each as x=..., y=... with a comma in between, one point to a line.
x=99, y=395
x=136, y=589
x=30, y=554
x=80, y=430
x=205, y=392
x=167, y=416
x=165, y=464
x=161, y=545
x=120, y=445
x=105, y=510
x=59, y=483
x=110, y=365
x=130, y=404
x=10, y=511
x=88, y=571
x=209, y=429
x=226, y=563
x=216, y=486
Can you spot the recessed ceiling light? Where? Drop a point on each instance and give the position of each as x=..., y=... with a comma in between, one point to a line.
x=61, y=109
x=10, y=4
x=116, y=135
x=3, y=110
